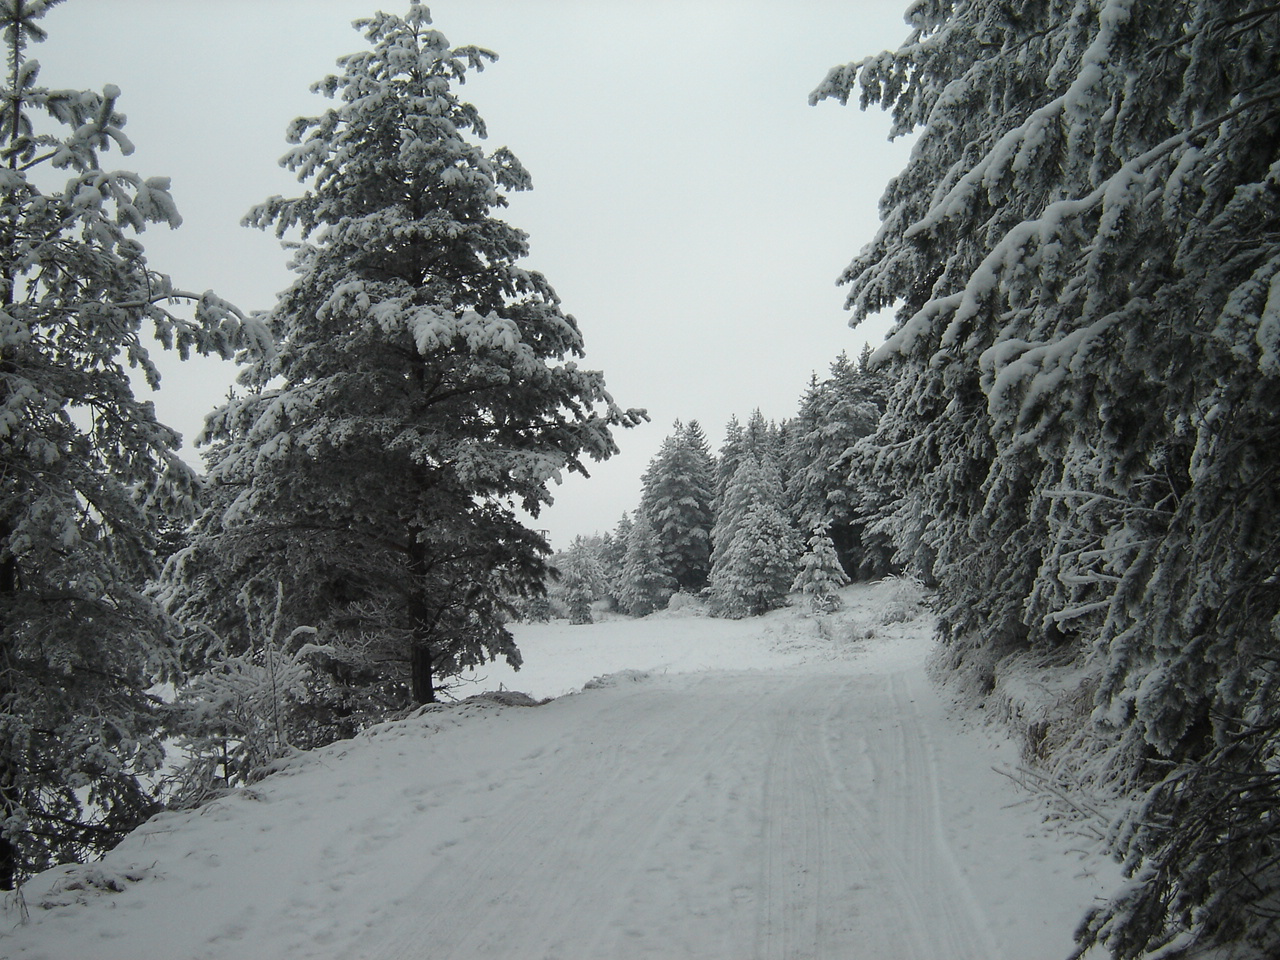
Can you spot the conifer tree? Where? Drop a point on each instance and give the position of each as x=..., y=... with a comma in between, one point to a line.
x=87, y=470
x=646, y=586
x=746, y=576
x=756, y=572
x=677, y=499
x=581, y=577
x=424, y=385
x=760, y=437
x=730, y=458
x=824, y=483
x=755, y=481
x=821, y=576
x=613, y=554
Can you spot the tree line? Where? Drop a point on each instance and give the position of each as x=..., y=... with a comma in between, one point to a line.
x=781, y=508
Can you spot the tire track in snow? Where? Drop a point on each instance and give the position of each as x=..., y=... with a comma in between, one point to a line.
x=812, y=867
x=858, y=862
x=948, y=921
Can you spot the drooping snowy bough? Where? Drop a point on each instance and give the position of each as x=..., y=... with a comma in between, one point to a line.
x=1084, y=441
x=87, y=473
x=424, y=386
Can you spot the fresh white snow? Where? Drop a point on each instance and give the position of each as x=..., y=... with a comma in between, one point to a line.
x=780, y=787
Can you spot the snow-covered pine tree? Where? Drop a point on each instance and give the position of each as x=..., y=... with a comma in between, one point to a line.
x=646, y=585
x=729, y=459
x=761, y=438
x=754, y=481
x=87, y=469
x=1087, y=365
x=613, y=554
x=678, y=490
x=823, y=478
x=821, y=576
x=581, y=578
x=756, y=484
x=424, y=386
x=756, y=572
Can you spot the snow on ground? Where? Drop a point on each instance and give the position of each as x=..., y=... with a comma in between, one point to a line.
x=782, y=787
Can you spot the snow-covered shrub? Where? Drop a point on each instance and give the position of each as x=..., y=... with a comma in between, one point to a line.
x=687, y=604
x=78, y=883
x=233, y=720
x=905, y=599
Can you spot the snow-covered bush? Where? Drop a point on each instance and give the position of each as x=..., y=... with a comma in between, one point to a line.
x=687, y=604
x=904, y=600
x=231, y=721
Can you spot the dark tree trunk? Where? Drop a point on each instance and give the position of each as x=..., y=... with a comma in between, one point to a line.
x=8, y=590
x=420, y=660
x=420, y=664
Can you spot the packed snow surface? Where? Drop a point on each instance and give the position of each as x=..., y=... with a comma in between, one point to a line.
x=779, y=787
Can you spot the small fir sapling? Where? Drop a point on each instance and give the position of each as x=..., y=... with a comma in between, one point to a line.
x=821, y=576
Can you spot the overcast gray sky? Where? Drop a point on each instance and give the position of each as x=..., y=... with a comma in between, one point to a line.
x=689, y=206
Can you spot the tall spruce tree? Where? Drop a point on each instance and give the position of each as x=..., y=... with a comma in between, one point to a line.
x=424, y=385
x=753, y=482
x=756, y=572
x=730, y=458
x=750, y=529
x=613, y=554
x=87, y=470
x=823, y=488
x=1083, y=432
x=646, y=585
x=677, y=496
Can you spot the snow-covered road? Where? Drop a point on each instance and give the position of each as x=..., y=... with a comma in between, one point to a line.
x=809, y=810
x=738, y=815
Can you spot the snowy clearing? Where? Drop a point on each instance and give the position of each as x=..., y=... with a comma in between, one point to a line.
x=769, y=788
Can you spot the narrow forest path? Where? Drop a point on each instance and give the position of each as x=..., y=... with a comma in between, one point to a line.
x=823, y=810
